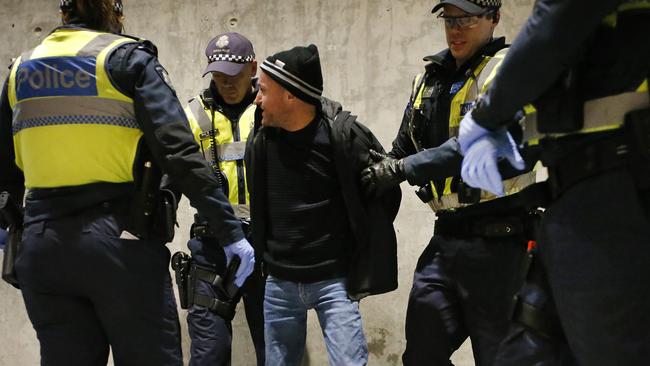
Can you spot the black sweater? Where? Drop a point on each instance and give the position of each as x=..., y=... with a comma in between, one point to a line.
x=308, y=230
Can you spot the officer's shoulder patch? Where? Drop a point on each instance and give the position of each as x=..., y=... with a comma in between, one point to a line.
x=164, y=75
x=455, y=87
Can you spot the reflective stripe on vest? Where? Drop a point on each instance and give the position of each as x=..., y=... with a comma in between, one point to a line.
x=462, y=103
x=612, y=19
x=71, y=126
x=601, y=114
x=229, y=151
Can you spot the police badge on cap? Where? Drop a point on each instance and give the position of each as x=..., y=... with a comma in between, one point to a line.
x=228, y=53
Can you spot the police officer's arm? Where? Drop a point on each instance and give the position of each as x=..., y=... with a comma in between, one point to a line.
x=168, y=136
x=11, y=177
x=445, y=160
x=434, y=163
x=550, y=42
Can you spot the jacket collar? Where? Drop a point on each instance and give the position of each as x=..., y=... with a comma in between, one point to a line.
x=444, y=61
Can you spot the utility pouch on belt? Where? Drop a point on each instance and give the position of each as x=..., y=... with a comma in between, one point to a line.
x=467, y=194
x=533, y=306
x=153, y=210
x=11, y=216
x=560, y=109
x=181, y=264
x=637, y=127
x=165, y=217
x=637, y=130
x=424, y=193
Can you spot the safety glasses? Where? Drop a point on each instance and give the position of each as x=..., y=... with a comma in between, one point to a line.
x=463, y=21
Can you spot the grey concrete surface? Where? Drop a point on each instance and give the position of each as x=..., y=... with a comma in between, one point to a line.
x=370, y=50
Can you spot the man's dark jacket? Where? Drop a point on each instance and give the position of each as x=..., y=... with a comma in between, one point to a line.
x=373, y=262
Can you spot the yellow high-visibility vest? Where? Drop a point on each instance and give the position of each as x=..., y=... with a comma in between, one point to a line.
x=462, y=102
x=71, y=125
x=230, y=146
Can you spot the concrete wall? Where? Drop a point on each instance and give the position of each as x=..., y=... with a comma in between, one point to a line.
x=370, y=50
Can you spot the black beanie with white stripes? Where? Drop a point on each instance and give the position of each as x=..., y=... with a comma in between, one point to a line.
x=297, y=70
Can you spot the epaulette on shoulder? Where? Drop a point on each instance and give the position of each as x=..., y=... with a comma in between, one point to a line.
x=148, y=47
x=144, y=44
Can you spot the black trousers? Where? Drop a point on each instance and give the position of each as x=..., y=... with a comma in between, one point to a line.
x=86, y=289
x=462, y=287
x=595, y=248
x=210, y=334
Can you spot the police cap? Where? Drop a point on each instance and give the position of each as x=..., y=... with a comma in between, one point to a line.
x=473, y=7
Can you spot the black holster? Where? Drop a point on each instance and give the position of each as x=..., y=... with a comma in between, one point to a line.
x=11, y=217
x=188, y=273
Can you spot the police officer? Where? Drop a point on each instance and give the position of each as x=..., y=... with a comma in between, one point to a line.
x=92, y=112
x=465, y=278
x=585, y=66
x=222, y=116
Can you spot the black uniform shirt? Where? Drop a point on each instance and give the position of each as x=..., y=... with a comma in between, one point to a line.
x=137, y=73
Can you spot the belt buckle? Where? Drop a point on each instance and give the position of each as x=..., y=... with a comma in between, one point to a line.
x=498, y=229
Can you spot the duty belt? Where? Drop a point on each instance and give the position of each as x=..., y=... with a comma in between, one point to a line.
x=610, y=153
x=490, y=227
x=511, y=186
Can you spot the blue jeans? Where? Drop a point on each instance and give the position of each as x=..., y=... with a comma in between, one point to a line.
x=285, y=322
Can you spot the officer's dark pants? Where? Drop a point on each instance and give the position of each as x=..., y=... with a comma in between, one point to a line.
x=595, y=247
x=211, y=335
x=462, y=287
x=86, y=289
x=535, y=337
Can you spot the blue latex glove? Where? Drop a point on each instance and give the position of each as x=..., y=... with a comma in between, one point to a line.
x=480, y=168
x=469, y=131
x=246, y=254
x=3, y=238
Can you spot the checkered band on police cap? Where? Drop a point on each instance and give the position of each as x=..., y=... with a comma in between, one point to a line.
x=231, y=58
x=487, y=3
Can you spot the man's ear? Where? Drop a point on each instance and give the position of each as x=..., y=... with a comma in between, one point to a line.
x=496, y=17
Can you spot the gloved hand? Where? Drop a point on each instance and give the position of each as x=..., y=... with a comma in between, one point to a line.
x=469, y=131
x=480, y=169
x=386, y=173
x=246, y=254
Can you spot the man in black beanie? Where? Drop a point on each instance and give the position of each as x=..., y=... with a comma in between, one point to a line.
x=299, y=215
